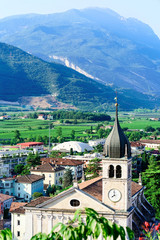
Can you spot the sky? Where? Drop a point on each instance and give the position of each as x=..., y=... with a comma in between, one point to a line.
x=147, y=11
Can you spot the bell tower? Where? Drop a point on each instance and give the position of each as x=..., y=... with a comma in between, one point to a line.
x=117, y=165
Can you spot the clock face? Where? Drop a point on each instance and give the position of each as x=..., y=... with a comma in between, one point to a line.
x=114, y=195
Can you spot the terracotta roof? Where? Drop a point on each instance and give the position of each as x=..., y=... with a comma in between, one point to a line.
x=4, y=197
x=16, y=205
x=89, y=182
x=29, y=144
x=47, y=167
x=150, y=141
x=94, y=187
x=136, y=144
x=37, y=201
x=62, y=161
x=29, y=178
x=136, y=188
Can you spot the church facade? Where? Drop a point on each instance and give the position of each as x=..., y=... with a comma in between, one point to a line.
x=113, y=195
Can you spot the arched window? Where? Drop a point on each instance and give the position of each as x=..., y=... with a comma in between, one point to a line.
x=75, y=203
x=111, y=171
x=118, y=171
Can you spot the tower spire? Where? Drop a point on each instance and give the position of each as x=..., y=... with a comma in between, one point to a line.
x=115, y=145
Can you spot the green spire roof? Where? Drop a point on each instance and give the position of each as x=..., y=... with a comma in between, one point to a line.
x=117, y=144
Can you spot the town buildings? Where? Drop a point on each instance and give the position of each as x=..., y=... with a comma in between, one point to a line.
x=113, y=195
x=51, y=172
x=75, y=165
x=22, y=187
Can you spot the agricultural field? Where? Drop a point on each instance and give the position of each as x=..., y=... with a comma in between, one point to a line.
x=138, y=123
x=33, y=127
x=29, y=128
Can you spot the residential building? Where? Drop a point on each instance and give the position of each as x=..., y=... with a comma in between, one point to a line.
x=42, y=117
x=152, y=144
x=51, y=172
x=22, y=187
x=94, y=143
x=7, y=186
x=5, y=201
x=75, y=165
x=26, y=185
x=37, y=146
x=18, y=220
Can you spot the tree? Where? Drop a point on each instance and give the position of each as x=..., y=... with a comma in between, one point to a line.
x=33, y=159
x=94, y=168
x=18, y=169
x=17, y=134
x=71, y=151
x=145, y=159
x=36, y=195
x=59, y=131
x=101, y=133
x=72, y=134
x=151, y=180
x=67, y=178
x=135, y=136
x=149, y=129
x=99, y=148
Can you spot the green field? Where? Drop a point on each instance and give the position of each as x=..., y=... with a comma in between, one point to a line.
x=138, y=123
x=30, y=127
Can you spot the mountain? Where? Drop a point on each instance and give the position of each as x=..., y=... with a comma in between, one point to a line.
x=24, y=76
x=96, y=42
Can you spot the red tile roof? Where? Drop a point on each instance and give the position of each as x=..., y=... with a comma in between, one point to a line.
x=4, y=197
x=29, y=178
x=30, y=144
x=94, y=187
x=38, y=201
x=16, y=205
x=150, y=141
x=62, y=161
x=47, y=167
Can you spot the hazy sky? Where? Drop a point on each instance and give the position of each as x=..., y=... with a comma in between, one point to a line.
x=147, y=11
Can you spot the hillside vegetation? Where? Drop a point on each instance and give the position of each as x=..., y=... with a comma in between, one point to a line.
x=119, y=51
x=22, y=74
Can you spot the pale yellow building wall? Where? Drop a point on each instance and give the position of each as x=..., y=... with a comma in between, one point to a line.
x=50, y=177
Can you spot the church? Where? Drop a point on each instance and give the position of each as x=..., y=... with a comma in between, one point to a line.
x=113, y=195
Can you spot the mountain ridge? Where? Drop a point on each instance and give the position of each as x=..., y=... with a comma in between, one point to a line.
x=24, y=75
x=121, y=52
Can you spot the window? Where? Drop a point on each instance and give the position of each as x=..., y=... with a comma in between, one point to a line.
x=118, y=171
x=111, y=171
x=74, y=203
x=18, y=194
x=18, y=188
x=58, y=174
x=6, y=184
x=7, y=193
x=18, y=222
x=49, y=175
x=18, y=233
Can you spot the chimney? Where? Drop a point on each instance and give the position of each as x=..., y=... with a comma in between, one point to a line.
x=140, y=179
x=83, y=176
x=75, y=182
